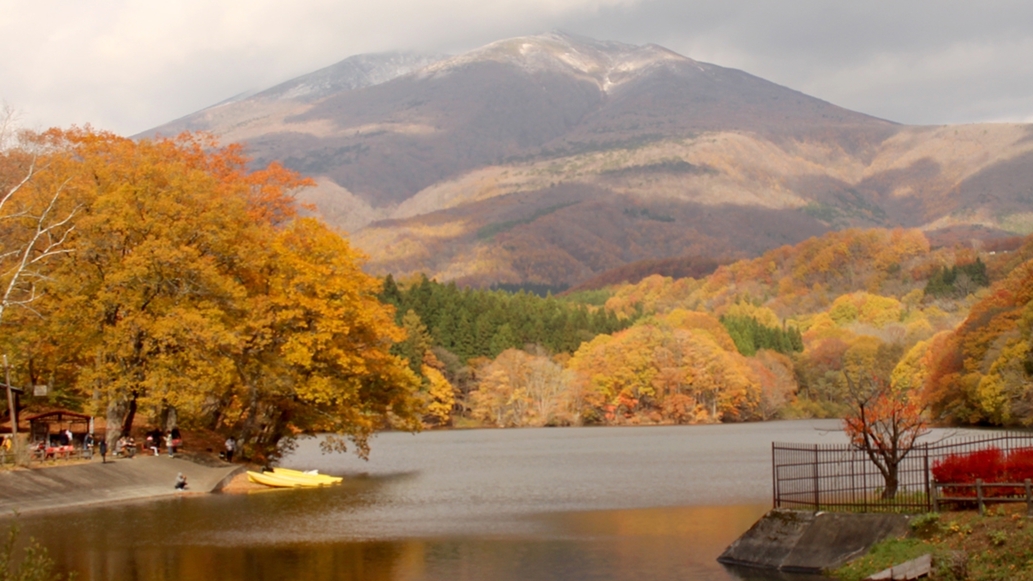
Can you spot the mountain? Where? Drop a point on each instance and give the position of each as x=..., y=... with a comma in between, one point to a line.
x=550, y=159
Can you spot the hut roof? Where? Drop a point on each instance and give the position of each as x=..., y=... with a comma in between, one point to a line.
x=57, y=416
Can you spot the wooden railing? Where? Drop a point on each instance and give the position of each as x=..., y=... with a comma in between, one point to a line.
x=1013, y=492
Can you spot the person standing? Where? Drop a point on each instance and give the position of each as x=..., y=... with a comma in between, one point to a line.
x=104, y=450
x=168, y=444
x=87, y=446
x=231, y=447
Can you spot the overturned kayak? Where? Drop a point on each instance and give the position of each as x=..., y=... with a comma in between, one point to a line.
x=312, y=476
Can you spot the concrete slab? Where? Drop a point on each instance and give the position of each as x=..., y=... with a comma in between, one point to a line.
x=770, y=540
x=62, y=487
x=835, y=538
x=807, y=542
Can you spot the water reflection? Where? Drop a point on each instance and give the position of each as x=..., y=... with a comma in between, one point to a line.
x=660, y=544
x=599, y=504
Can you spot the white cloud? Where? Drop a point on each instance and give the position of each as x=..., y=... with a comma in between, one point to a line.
x=128, y=65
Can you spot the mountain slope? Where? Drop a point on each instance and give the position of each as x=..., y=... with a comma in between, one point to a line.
x=552, y=158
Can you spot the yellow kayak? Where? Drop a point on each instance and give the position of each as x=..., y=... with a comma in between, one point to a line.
x=305, y=476
x=272, y=480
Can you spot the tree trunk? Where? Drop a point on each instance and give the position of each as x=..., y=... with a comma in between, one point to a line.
x=892, y=483
x=127, y=422
x=169, y=419
x=115, y=416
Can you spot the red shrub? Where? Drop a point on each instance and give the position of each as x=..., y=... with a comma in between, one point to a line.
x=1020, y=465
x=966, y=468
x=986, y=465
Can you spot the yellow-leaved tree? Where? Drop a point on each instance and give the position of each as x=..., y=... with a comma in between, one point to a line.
x=195, y=294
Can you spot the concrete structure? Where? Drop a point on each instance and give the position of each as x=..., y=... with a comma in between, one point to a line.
x=913, y=569
x=76, y=485
x=797, y=541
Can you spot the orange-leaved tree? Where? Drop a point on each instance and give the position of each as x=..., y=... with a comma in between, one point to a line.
x=885, y=422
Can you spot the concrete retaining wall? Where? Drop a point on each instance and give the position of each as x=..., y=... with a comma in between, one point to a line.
x=75, y=485
x=807, y=542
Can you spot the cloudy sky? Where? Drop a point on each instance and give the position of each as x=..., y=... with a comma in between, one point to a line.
x=129, y=65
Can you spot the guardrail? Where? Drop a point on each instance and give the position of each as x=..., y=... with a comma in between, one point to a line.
x=1013, y=492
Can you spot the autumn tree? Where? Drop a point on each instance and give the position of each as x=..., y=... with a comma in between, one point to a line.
x=983, y=370
x=37, y=215
x=682, y=368
x=521, y=389
x=317, y=348
x=196, y=292
x=885, y=420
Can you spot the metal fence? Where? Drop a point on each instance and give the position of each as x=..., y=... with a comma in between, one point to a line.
x=840, y=477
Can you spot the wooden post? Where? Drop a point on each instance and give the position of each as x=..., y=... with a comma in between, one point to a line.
x=10, y=398
x=979, y=495
x=935, y=496
x=1029, y=498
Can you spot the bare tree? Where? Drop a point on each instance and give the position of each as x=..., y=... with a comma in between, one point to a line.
x=35, y=224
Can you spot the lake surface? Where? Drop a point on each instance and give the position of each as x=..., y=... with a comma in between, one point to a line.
x=657, y=503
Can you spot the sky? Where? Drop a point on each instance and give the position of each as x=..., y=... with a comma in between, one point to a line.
x=130, y=65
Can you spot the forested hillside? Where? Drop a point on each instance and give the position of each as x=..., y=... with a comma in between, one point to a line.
x=163, y=279
x=782, y=335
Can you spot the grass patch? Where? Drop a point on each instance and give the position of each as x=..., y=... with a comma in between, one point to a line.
x=964, y=545
x=883, y=556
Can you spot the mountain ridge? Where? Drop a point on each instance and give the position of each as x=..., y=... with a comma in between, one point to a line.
x=416, y=166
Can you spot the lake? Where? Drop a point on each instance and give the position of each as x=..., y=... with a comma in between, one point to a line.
x=657, y=503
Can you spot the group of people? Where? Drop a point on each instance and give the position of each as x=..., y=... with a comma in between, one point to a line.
x=171, y=439
x=126, y=445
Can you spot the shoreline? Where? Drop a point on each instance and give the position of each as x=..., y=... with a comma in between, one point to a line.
x=92, y=483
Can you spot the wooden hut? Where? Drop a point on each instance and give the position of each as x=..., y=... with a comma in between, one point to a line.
x=43, y=426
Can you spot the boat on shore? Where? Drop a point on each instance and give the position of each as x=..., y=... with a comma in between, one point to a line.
x=287, y=478
x=313, y=476
x=272, y=480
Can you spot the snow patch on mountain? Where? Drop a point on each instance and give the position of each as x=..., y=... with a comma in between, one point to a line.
x=608, y=64
x=357, y=72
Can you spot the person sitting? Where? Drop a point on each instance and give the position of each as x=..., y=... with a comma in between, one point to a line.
x=181, y=482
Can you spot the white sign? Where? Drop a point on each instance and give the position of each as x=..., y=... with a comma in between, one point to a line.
x=39, y=390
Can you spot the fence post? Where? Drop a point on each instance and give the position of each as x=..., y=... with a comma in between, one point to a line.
x=934, y=495
x=1029, y=499
x=817, y=495
x=774, y=478
x=979, y=495
x=928, y=490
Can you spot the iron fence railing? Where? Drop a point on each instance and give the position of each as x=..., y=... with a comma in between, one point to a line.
x=841, y=477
